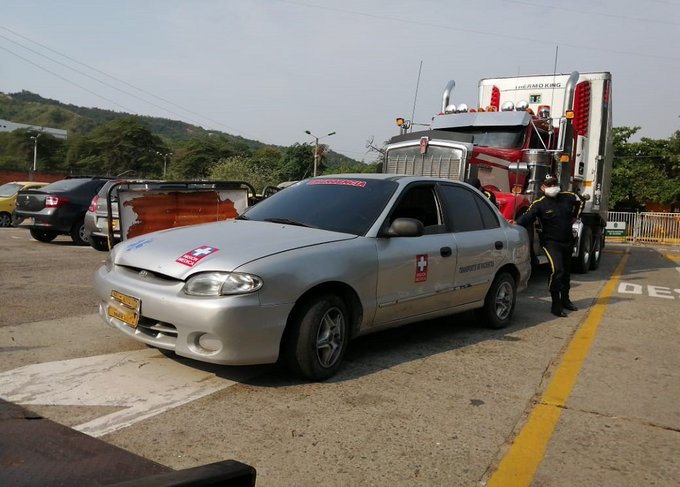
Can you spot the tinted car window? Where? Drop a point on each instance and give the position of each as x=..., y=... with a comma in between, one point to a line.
x=65, y=185
x=346, y=205
x=461, y=208
x=489, y=216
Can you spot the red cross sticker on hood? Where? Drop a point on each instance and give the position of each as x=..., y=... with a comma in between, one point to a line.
x=421, y=268
x=193, y=257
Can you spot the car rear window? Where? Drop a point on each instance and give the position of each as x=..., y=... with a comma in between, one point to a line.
x=9, y=189
x=66, y=184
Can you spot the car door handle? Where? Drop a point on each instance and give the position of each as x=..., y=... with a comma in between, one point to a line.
x=446, y=251
x=498, y=244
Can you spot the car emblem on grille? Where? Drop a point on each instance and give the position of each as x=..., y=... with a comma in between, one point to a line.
x=144, y=274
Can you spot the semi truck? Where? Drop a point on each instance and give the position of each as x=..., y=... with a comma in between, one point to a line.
x=521, y=129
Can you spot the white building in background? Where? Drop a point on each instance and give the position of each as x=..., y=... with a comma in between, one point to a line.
x=7, y=126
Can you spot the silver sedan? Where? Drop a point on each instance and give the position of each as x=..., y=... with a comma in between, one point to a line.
x=298, y=275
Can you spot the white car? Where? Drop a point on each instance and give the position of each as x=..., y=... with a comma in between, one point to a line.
x=299, y=274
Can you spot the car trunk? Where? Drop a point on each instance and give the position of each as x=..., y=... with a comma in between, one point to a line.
x=31, y=200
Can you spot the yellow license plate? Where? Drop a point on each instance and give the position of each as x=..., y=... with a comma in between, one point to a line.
x=129, y=301
x=126, y=315
x=128, y=312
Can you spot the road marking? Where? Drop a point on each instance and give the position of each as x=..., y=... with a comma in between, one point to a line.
x=519, y=465
x=143, y=382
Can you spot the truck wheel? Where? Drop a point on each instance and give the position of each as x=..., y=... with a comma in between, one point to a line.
x=499, y=303
x=318, y=337
x=598, y=244
x=584, y=251
x=78, y=233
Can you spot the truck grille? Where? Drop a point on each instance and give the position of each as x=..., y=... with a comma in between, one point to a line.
x=437, y=164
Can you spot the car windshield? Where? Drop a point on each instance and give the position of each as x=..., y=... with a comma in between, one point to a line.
x=9, y=189
x=347, y=205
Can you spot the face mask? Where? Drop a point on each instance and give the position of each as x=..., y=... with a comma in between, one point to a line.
x=552, y=191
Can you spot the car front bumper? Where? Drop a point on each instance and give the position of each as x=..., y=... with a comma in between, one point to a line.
x=228, y=330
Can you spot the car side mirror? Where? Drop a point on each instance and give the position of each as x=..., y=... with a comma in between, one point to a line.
x=405, y=227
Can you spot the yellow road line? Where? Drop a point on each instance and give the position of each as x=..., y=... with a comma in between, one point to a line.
x=519, y=465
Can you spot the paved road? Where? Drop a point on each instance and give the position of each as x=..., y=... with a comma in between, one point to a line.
x=589, y=399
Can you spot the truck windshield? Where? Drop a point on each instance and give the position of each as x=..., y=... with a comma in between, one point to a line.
x=501, y=137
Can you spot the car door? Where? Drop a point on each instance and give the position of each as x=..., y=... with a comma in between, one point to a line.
x=481, y=242
x=415, y=274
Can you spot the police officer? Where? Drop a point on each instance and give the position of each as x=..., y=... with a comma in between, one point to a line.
x=478, y=184
x=557, y=210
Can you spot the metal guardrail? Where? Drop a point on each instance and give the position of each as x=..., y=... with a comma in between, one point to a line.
x=643, y=227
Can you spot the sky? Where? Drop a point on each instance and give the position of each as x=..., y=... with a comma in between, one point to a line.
x=269, y=70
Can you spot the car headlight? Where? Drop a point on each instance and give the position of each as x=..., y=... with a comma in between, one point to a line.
x=222, y=283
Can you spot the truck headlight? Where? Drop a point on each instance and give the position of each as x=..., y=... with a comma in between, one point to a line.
x=221, y=283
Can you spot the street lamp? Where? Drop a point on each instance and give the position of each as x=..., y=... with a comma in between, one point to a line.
x=35, y=153
x=316, y=147
x=165, y=160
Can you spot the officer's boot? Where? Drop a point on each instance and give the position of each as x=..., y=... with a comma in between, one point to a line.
x=556, y=307
x=566, y=302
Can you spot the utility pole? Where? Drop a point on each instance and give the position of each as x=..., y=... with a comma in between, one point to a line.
x=165, y=161
x=316, y=147
x=35, y=154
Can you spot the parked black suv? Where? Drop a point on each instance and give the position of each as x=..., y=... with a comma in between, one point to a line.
x=58, y=208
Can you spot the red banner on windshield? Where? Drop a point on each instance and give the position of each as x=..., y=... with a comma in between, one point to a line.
x=341, y=182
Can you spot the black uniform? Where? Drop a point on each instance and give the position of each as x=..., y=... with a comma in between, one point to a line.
x=491, y=197
x=556, y=215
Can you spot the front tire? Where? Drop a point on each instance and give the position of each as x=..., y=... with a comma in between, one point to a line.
x=318, y=337
x=499, y=304
x=78, y=233
x=43, y=235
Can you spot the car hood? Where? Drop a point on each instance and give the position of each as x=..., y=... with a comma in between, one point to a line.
x=180, y=252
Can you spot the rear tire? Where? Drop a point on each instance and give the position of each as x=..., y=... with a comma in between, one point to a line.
x=318, y=338
x=43, y=235
x=78, y=233
x=499, y=304
x=585, y=249
x=598, y=245
x=5, y=219
x=99, y=243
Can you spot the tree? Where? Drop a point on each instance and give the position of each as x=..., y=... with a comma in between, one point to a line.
x=194, y=159
x=296, y=163
x=124, y=145
x=240, y=168
x=645, y=171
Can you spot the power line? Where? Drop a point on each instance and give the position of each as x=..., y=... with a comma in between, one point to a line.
x=590, y=12
x=473, y=31
x=114, y=78
x=68, y=80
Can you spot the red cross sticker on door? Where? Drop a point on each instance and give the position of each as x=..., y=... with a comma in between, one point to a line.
x=421, y=268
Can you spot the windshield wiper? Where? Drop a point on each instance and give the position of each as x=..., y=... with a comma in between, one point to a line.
x=287, y=221
x=241, y=217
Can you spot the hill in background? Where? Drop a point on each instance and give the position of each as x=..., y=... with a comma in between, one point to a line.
x=30, y=108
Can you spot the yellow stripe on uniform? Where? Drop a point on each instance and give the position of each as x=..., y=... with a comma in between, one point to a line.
x=552, y=265
x=519, y=465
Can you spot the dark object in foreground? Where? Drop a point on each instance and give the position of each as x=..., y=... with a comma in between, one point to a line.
x=36, y=451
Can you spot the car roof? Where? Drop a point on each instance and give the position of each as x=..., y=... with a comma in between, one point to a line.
x=404, y=178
